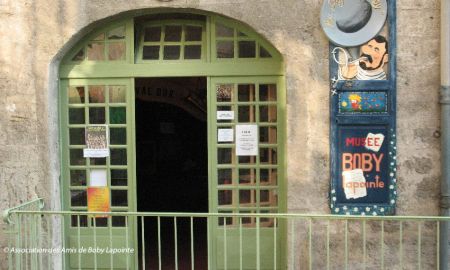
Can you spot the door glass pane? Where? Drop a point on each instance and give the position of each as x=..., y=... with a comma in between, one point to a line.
x=172, y=33
x=192, y=52
x=78, y=198
x=76, y=116
x=76, y=95
x=117, y=94
x=99, y=222
x=246, y=220
x=77, y=177
x=96, y=94
x=225, y=49
x=268, y=156
x=97, y=161
x=118, y=136
x=150, y=52
x=225, y=220
x=224, y=176
x=224, y=92
x=247, y=49
x=246, y=92
x=225, y=197
x=79, y=56
x=79, y=220
x=268, y=177
x=247, y=198
x=119, y=198
x=96, y=51
x=117, y=33
x=152, y=33
x=119, y=177
x=267, y=134
x=224, y=155
x=246, y=114
x=247, y=160
x=224, y=31
x=264, y=196
x=97, y=115
x=267, y=92
x=193, y=33
x=118, y=221
x=171, y=52
x=263, y=53
x=76, y=136
x=118, y=157
x=117, y=115
x=268, y=114
x=76, y=157
x=247, y=176
x=116, y=51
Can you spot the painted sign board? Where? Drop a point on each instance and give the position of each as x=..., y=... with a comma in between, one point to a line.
x=365, y=178
x=362, y=107
x=363, y=165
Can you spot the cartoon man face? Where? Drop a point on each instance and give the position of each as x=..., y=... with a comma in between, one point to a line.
x=376, y=53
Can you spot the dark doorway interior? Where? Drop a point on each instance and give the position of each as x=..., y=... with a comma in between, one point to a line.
x=172, y=172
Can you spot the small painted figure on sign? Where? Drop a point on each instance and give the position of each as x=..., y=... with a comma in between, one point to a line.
x=355, y=101
x=370, y=66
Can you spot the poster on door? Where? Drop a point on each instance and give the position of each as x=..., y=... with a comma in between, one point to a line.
x=246, y=140
x=96, y=141
x=98, y=200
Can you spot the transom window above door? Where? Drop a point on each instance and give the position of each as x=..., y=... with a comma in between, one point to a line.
x=174, y=40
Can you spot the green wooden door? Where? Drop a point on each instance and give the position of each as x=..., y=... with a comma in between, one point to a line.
x=93, y=102
x=242, y=181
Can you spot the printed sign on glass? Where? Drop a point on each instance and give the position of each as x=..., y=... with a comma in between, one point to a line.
x=246, y=140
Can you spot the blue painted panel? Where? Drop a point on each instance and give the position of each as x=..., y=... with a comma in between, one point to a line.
x=363, y=149
x=362, y=102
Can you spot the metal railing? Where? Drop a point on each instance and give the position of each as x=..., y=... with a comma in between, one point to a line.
x=142, y=240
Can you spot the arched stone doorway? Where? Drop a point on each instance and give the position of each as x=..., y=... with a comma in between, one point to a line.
x=244, y=89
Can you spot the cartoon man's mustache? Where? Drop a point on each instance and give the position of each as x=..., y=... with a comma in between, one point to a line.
x=368, y=57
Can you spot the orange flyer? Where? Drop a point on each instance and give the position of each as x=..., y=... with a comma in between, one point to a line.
x=98, y=200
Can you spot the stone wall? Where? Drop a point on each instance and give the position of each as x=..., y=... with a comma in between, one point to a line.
x=36, y=33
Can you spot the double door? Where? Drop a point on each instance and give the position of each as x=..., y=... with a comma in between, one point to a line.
x=246, y=129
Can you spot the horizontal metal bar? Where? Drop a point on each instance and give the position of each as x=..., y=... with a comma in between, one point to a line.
x=261, y=215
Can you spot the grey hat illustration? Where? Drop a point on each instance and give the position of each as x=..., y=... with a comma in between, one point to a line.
x=351, y=23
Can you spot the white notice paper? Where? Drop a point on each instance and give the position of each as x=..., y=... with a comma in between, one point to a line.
x=246, y=140
x=225, y=115
x=225, y=135
x=374, y=141
x=354, y=184
x=98, y=178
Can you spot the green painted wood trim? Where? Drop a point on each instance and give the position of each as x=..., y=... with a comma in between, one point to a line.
x=187, y=68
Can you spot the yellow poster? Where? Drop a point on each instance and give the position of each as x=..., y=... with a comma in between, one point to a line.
x=98, y=200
